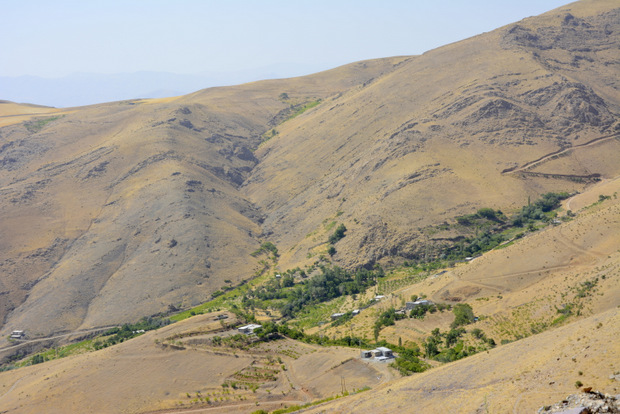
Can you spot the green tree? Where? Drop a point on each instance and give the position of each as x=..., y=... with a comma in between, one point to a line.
x=487, y=213
x=376, y=331
x=37, y=359
x=430, y=347
x=288, y=281
x=477, y=332
x=463, y=315
x=338, y=234
x=453, y=335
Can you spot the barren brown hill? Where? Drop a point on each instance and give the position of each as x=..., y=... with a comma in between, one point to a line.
x=116, y=211
x=444, y=134
x=154, y=372
x=122, y=210
x=519, y=377
x=178, y=369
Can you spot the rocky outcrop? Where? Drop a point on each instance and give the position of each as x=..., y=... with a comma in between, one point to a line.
x=589, y=402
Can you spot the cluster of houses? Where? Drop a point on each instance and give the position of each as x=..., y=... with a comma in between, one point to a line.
x=408, y=307
x=379, y=354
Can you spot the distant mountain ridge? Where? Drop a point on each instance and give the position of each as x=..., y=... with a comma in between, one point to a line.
x=82, y=89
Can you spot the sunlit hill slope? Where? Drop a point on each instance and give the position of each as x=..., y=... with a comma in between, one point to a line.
x=116, y=211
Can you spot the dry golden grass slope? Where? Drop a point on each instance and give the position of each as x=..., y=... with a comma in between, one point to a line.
x=156, y=371
x=152, y=373
x=431, y=139
x=13, y=113
x=115, y=211
x=515, y=290
x=519, y=377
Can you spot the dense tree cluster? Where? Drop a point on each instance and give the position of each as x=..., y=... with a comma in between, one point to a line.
x=448, y=346
x=463, y=315
x=407, y=361
x=537, y=210
x=267, y=247
x=338, y=234
x=128, y=331
x=489, y=225
x=387, y=318
x=333, y=282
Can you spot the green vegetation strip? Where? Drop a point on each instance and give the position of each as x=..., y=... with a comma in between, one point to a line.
x=333, y=282
x=312, y=299
x=303, y=109
x=108, y=338
x=38, y=124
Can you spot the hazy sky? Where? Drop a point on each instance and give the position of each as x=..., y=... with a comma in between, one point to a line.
x=53, y=38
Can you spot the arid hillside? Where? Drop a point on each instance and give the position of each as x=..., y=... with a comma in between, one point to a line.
x=520, y=377
x=177, y=368
x=197, y=365
x=446, y=133
x=116, y=211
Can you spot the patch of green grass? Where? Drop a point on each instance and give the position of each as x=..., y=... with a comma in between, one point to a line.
x=329, y=225
x=54, y=353
x=266, y=247
x=400, y=278
x=269, y=134
x=36, y=125
x=303, y=109
x=312, y=315
x=225, y=300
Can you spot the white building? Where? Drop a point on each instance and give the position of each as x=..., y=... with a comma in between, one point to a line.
x=18, y=334
x=382, y=352
x=249, y=329
x=419, y=302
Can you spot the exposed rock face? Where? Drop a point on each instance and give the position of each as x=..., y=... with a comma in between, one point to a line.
x=399, y=147
x=592, y=402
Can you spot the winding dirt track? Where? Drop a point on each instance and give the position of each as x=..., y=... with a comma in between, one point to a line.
x=30, y=341
x=546, y=157
x=229, y=408
x=11, y=389
x=562, y=238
